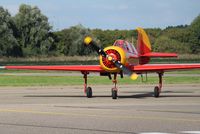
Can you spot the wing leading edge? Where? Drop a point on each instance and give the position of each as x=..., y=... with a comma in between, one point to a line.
x=88, y=68
x=163, y=67
x=97, y=68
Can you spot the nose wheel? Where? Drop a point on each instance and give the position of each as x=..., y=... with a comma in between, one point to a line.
x=114, y=93
x=114, y=89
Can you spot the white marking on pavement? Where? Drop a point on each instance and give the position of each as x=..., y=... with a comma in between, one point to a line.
x=155, y=133
x=190, y=132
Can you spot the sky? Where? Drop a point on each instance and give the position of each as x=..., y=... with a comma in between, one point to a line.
x=112, y=14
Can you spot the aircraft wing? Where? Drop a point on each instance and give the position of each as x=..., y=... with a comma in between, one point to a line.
x=163, y=67
x=97, y=68
x=82, y=68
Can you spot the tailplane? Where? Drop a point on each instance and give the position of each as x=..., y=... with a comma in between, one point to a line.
x=144, y=48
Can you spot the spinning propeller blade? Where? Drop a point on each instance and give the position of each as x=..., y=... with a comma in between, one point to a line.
x=89, y=42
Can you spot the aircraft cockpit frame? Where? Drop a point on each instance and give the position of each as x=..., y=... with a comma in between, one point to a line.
x=126, y=46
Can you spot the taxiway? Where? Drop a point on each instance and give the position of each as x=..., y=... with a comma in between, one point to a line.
x=65, y=109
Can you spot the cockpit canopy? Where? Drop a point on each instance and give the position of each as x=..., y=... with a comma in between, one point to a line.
x=126, y=46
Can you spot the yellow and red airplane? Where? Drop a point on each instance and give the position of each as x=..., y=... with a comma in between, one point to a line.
x=121, y=58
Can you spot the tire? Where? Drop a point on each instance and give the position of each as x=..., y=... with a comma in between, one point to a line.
x=114, y=94
x=89, y=92
x=156, y=92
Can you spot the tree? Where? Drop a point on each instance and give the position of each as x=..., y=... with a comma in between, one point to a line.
x=165, y=44
x=195, y=35
x=8, y=43
x=34, y=36
x=71, y=41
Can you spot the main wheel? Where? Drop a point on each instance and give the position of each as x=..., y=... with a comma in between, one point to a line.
x=114, y=93
x=156, y=92
x=89, y=92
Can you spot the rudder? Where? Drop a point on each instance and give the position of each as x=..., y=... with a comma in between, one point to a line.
x=143, y=43
x=143, y=46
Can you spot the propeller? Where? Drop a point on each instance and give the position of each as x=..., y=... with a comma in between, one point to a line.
x=89, y=42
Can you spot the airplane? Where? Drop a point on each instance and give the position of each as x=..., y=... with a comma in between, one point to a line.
x=119, y=59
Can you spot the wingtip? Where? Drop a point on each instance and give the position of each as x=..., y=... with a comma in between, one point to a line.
x=2, y=67
x=134, y=76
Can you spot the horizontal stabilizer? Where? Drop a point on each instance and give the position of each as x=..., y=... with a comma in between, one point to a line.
x=164, y=55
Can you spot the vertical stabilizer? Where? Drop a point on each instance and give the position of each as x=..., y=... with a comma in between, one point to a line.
x=143, y=43
x=144, y=48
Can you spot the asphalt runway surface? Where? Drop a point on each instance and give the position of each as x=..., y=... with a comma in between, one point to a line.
x=65, y=109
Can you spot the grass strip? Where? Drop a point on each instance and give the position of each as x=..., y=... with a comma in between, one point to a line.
x=6, y=80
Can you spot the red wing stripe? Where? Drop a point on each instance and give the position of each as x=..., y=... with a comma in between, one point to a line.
x=90, y=68
x=163, y=67
x=153, y=54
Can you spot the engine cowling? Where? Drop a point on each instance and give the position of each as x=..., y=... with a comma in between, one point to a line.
x=116, y=53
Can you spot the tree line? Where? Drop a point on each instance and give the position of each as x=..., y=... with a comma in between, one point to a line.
x=29, y=33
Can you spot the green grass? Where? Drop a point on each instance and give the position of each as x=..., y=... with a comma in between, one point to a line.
x=78, y=80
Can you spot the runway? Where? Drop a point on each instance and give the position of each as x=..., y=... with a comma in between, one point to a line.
x=65, y=109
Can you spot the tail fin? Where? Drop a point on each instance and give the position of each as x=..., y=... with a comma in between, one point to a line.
x=143, y=43
x=144, y=48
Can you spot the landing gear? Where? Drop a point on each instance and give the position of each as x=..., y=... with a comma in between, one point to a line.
x=114, y=93
x=157, y=89
x=114, y=90
x=87, y=90
x=156, y=92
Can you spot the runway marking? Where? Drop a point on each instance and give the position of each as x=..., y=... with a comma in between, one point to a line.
x=171, y=111
x=154, y=133
x=190, y=132
x=181, y=132
x=95, y=115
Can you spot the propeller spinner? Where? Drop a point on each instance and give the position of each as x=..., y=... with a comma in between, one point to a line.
x=111, y=58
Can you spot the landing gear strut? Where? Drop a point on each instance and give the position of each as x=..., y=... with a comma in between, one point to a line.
x=87, y=90
x=114, y=90
x=157, y=89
